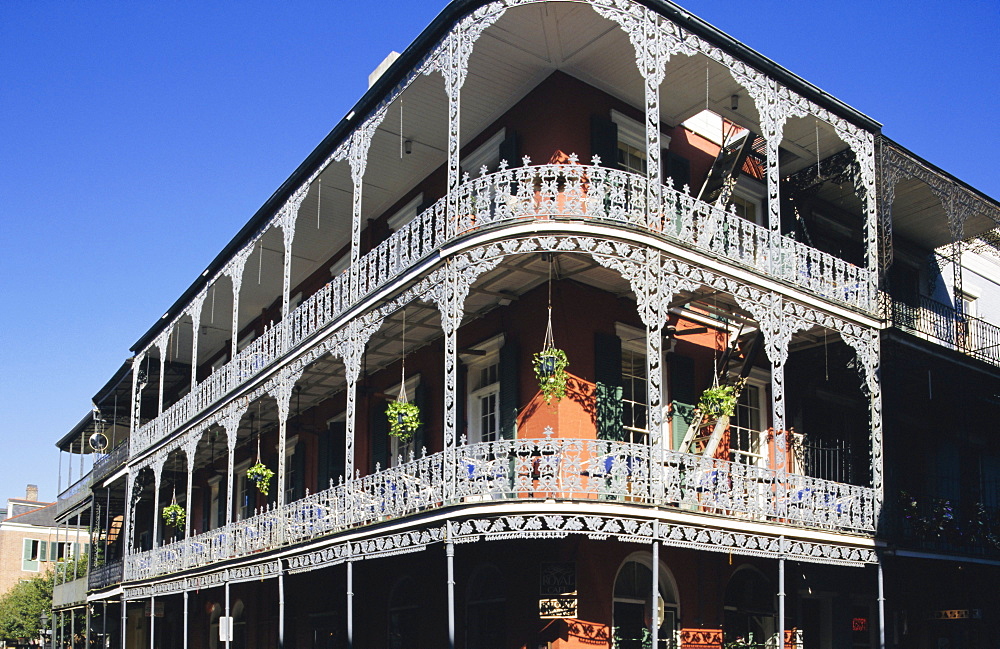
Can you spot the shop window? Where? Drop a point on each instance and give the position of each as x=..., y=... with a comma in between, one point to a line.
x=485, y=610
x=633, y=607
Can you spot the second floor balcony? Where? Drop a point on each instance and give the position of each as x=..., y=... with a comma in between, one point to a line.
x=943, y=324
x=603, y=205
x=526, y=471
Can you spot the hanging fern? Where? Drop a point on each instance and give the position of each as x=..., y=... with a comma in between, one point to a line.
x=174, y=515
x=719, y=401
x=404, y=419
x=550, y=370
x=261, y=476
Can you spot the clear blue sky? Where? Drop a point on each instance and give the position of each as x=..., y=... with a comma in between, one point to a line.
x=136, y=138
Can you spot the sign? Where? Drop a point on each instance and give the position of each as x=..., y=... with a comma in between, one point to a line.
x=225, y=629
x=557, y=607
x=957, y=614
x=859, y=624
x=557, y=579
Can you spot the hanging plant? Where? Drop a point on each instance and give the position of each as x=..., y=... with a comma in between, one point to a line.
x=550, y=370
x=174, y=515
x=261, y=476
x=404, y=419
x=719, y=401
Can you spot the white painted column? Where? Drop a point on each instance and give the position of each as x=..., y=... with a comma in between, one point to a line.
x=152, y=622
x=450, y=554
x=186, y=624
x=654, y=624
x=350, y=597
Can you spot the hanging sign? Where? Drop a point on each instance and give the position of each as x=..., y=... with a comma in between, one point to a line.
x=957, y=614
x=557, y=607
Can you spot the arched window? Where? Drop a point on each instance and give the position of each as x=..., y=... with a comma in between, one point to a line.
x=485, y=612
x=239, y=637
x=633, y=605
x=404, y=615
x=749, y=608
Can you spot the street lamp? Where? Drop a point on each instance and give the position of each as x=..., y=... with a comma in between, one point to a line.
x=43, y=627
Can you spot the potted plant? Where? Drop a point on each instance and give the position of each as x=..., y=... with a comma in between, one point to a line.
x=261, y=476
x=404, y=419
x=174, y=515
x=550, y=370
x=719, y=401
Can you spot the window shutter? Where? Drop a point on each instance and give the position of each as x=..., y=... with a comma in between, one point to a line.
x=53, y=552
x=299, y=468
x=379, y=435
x=509, y=389
x=419, y=435
x=324, y=468
x=43, y=551
x=683, y=394
x=338, y=453
x=510, y=150
x=604, y=140
x=608, y=377
x=223, y=490
x=27, y=563
x=678, y=168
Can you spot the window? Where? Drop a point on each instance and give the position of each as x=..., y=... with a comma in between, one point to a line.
x=486, y=155
x=293, y=470
x=632, y=143
x=213, y=510
x=485, y=610
x=244, y=499
x=745, y=427
x=483, y=364
x=748, y=200
x=406, y=213
x=633, y=606
x=31, y=556
x=635, y=384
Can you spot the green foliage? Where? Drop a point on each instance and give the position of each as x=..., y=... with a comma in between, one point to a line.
x=550, y=370
x=174, y=515
x=261, y=476
x=404, y=419
x=22, y=607
x=719, y=401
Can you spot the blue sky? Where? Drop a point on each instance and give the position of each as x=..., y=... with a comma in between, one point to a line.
x=136, y=138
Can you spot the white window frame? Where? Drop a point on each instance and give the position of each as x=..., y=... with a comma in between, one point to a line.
x=290, y=444
x=752, y=191
x=475, y=363
x=760, y=380
x=340, y=265
x=213, y=502
x=240, y=492
x=398, y=447
x=486, y=154
x=633, y=341
x=406, y=213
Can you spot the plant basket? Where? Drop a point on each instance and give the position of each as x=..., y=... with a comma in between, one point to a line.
x=261, y=476
x=174, y=515
x=550, y=370
x=404, y=419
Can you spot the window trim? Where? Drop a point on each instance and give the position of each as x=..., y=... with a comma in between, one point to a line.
x=405, y=214
x=487, y=153
x=633, y=132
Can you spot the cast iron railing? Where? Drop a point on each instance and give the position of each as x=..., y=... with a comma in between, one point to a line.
x=565, y=192
x=526, y=470
x=943, y=324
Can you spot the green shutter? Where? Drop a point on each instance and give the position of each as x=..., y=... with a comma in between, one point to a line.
x=509, y=389
x=379, y=435
x=679, y=169
x=510, y=150
x=608, y=379
x=683, y=395
x=604, y=140
x=27, y=562
x=43, y=551
x=53, y=552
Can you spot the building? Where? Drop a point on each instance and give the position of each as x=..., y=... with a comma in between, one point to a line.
x=27, y=539
x=687, y=223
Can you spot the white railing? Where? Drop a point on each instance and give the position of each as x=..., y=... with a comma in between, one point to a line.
x=510, y=196
x=529, y=470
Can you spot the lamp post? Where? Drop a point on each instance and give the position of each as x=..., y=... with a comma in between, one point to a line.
x=43, y=627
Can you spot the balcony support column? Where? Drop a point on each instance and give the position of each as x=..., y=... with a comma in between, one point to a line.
x=229, y=620
x=654, y=623
x=781, y=596
x=449, y=549
x=136, y=410
x=163, y=345
x=186, y=621
x=355, y=151
x=231, y=422
x=195, y=312
x=281, y=607
x=349, y=347
x=157, y=470
x=867, y=348
x=282, y=394
x=235, y=272
x=349, y=563
x=124, y=631
x=190, y=449
x=286, y=221
x=152, y=622
x=881, y=605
